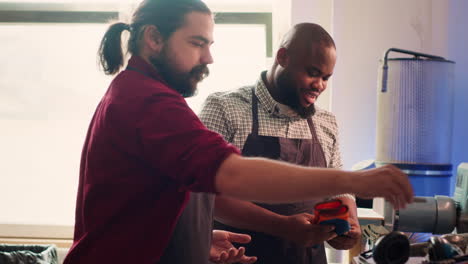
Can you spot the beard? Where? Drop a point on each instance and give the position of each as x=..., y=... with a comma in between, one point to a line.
x=183, y=82
x=290, y=95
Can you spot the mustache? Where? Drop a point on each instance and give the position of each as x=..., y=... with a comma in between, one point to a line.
x=314, y=90
x=200, y=72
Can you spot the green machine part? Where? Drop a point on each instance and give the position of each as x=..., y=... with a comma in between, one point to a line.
x=461, y=196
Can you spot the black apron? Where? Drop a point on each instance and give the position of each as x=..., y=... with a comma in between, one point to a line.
x=191, y=239
x=306, y=152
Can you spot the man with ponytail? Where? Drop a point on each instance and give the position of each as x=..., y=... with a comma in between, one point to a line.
x=146, y=151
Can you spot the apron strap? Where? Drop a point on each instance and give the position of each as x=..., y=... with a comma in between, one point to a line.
x=254, y=113
x=312, y=129
x=319, y=154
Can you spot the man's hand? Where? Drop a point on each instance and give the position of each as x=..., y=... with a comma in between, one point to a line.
x=387, y=181
x=222, y=250
x=299, y=229
x=350, y=238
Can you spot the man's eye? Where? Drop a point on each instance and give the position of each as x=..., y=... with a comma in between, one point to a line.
x=314, y=73
x=197, y=44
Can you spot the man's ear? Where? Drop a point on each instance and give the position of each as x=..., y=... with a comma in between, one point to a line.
x=153, y=38
x=282, y=57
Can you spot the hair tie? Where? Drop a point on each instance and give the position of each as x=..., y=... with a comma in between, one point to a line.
x=127, y=27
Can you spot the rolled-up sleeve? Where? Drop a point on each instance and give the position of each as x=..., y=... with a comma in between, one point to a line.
x=178, y=145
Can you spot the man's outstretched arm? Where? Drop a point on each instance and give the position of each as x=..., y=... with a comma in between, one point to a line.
x=262, y=180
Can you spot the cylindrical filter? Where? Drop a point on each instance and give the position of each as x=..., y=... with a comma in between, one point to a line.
x=414, y=119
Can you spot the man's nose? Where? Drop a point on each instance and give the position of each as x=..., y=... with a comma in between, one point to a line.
x=318, y=84
x=206, y=57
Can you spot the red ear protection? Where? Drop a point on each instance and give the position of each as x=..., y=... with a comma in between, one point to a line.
x=333, y=212
x=333, y=209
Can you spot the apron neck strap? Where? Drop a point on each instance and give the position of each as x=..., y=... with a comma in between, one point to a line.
x=254, y=113
x=312, y=128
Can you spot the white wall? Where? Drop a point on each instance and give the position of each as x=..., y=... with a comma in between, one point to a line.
x=363, y=31
x=458, y=45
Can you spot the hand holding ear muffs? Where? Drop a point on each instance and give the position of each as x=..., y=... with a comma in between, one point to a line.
x=333, y=212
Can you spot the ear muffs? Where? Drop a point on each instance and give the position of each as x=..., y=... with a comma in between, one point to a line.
x=335, y=213
x=393, y=248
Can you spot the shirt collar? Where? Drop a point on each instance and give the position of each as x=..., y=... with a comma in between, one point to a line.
x=144, y=67
x=267, y=102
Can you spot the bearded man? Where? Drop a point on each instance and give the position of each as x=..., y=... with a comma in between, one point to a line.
x=277, y=118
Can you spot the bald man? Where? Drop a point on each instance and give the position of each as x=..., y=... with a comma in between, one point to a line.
x=277, y=118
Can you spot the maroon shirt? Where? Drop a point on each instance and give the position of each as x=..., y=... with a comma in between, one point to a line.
x=144, y=151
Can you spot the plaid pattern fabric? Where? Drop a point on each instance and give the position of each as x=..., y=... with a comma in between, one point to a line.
x=230, y=114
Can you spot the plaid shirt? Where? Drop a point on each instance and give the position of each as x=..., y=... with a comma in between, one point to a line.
x=230, y=114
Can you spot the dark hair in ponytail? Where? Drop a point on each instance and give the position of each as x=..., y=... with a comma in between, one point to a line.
x=110, y=50
x=166, y=15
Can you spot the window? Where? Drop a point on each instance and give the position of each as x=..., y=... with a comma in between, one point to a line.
x=50, y=85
